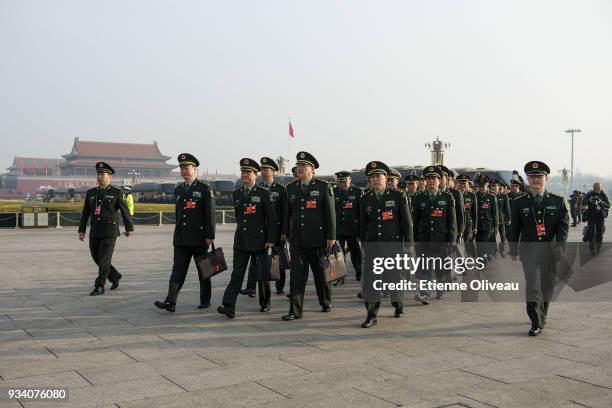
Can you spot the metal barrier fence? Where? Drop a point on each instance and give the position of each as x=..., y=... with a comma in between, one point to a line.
x=72, y=219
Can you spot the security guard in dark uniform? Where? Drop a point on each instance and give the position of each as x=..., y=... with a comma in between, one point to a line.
x=596, y=207
x=278, y=196
x=102, y=204
x=538, y=217
x=312, y=228
x=384, y=217
x=470, y=206
x=347, y=220
x=255, y=232
x=486, y=228
x=194, y=230
x=435, y=225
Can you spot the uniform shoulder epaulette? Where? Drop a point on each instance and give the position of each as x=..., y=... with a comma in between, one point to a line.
x=321, y=181
x=293, y=182
x=203, y=183
x=238, y=189
x=521, y=195
x=555, y=195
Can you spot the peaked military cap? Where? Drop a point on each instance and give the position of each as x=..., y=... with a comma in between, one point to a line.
x=375, y=167
x=536, y=167
x=481, y=179
x=394, y=173
x=186, y=158
x=294, y=171
x=411, y=178
x=307, y=158
x=249, y=164
x=269, y=163
x=513, y=181
x=341, y=175
x=102, y=167
x=432, y=171
x=463, y=177
x=445, y=170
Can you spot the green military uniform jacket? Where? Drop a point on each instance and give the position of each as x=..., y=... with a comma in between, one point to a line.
x=511, y=197
x=551, y=213
x=347, y=211
x=459, y=210
x=503, y=207
x=255, y=219
x=102, y=204
x=470, y=206
x=385, y=218
x=487, y=214
x=278, y=197
x=435, y=217
x=311, y=213
x=195, y=214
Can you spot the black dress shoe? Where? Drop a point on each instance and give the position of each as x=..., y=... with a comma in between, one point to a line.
x=358, y=278
x=291, y=316
x=288, y=296
x=265, y=309
x=115, y=284
x=370, y=321
x=226, y=311
x=98, y=290
x=439, y=295
x=171, y=307
x=326, y=308
x=247, y=291
x=535, y=331
x=339, y=282
x=204, y=305
x=359, y=295
x=399, y=312
x=280, y=292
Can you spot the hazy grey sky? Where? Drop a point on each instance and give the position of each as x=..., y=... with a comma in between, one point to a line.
x=362, y=80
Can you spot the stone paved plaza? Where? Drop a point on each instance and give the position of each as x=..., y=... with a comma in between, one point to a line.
x=118, y=350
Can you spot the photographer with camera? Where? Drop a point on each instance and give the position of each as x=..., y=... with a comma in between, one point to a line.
x=595, y=206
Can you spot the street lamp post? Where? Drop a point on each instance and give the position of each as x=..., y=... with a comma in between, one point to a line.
x=572, y=131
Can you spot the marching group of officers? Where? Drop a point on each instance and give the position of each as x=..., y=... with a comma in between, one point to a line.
x=430, y=214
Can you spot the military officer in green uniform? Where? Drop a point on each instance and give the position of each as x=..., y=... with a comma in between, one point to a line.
x=393, y=178
x=347, y=220
x=541, y=224
x=278, y=197
x=412, y=189
x=194, y=230
x=255, y=232
x=486, y=228
x=446, y=186
x=435, y=225
x=102, y=204
x=470, y=206
x=384, y=218
x=503, y=206
x=312, y=229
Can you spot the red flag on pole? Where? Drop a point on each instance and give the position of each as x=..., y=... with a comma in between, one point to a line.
x=291, y=129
